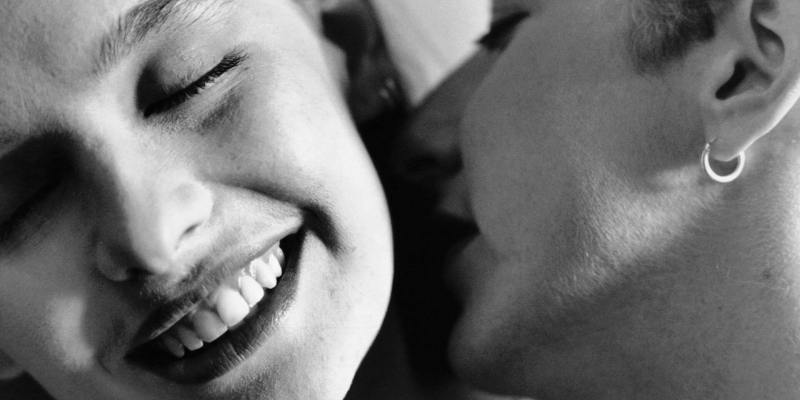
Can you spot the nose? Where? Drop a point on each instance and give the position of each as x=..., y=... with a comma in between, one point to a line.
x=427, y=150
x=149, y=216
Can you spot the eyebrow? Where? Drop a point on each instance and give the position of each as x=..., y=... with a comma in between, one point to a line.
x=127, y=32
x=145, y=19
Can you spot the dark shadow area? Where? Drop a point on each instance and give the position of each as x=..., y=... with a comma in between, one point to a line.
x=23, y=388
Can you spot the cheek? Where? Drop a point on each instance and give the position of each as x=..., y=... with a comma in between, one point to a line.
x=44, y=327
x=296, y=137
x=45, y=308
x=518, y=167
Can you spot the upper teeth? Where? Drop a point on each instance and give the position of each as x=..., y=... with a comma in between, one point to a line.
x=227, y=306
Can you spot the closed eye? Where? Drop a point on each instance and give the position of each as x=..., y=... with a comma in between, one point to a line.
x=227, y=64
x=502, y=31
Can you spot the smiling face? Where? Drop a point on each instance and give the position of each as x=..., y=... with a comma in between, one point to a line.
x=605, y=265
x=175, y=171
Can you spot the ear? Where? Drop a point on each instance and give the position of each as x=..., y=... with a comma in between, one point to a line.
x=373, y=89
x=8, y=368
x=749, y=73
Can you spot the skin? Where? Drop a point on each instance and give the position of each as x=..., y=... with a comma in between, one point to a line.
x=390, y=370
x=408, y=358
x=268, y=144
x=607, y=265
x=429, y=155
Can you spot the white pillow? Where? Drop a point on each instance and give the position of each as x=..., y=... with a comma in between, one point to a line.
x=428, y=39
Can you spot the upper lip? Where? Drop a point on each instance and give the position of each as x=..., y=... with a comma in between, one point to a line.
x=212, y=272
x=462, y=233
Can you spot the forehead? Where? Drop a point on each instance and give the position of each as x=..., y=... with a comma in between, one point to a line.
x=49, y=47
x=53, y=36
x=43, y=33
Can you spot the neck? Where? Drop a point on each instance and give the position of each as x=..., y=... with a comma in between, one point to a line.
x=694, y=345
x=719, y=320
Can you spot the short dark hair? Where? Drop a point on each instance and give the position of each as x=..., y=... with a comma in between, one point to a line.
x=662, y=31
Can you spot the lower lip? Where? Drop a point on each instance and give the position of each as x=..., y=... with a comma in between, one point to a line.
x=233, y=348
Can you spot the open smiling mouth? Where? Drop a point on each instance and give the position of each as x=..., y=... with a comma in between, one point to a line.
x=221, y=331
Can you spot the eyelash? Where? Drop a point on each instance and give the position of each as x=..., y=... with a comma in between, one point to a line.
x=174, y=100
x=502, y=31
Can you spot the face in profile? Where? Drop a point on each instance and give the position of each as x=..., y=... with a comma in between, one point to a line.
x=540, y=135
x=602, y=253
x=185, y=208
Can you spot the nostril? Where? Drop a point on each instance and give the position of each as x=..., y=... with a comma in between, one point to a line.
x=118, y=265
x=152, y=227
x=189, y=232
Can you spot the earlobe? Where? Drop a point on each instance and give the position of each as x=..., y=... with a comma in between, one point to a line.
x=751, y=76
x=8, y=368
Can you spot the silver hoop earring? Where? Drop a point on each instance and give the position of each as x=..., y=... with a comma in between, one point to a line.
x=705, y=162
